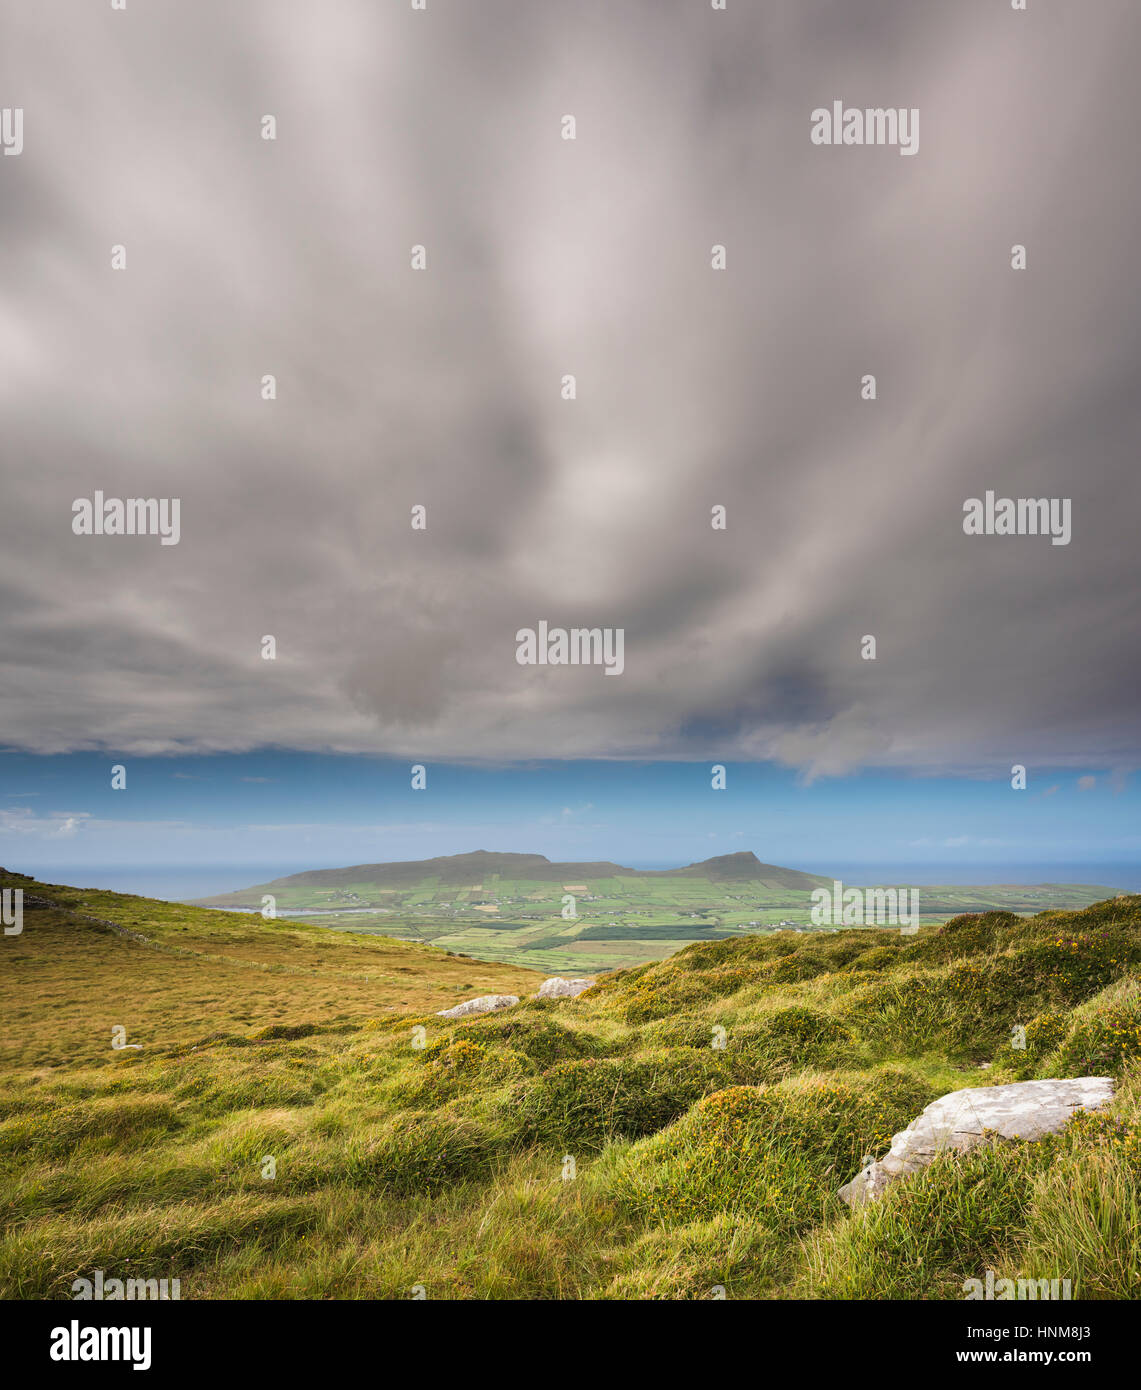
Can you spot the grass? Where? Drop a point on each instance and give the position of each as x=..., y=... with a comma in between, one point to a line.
x=203, y=972
x=298, y=1123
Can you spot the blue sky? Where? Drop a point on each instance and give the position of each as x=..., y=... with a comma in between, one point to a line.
x=297, y=811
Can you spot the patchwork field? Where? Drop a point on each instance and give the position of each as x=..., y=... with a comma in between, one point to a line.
x=509, y=907
x=287, y=1131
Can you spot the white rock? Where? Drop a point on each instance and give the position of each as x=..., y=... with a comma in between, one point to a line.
x=558, y=988
x=1021, y=1110
x=485, y=1004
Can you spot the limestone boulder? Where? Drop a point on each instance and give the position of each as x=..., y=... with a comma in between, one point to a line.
x=958, y=1121
x=485, y=1004
x=558, y=988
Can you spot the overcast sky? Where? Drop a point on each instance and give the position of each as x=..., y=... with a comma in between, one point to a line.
x=695, y=387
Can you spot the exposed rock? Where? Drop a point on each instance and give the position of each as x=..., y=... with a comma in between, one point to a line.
x=558, y=988
x=1021, y=1110
x=485, y=1004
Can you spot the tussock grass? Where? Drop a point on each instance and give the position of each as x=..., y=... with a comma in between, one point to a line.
x=682, y=1128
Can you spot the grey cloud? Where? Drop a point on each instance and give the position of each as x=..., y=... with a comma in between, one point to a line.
x=549, y=257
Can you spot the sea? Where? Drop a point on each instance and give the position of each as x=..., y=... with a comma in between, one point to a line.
x=183, y=882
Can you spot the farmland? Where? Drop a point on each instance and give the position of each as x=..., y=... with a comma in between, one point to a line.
x=510, y=908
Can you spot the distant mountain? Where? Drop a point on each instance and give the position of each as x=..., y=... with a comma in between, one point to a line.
x=465, y=869
x=459, y=869
x=745, y=867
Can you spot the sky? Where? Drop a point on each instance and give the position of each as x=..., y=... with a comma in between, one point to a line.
x=443, y=388
x=258, y=816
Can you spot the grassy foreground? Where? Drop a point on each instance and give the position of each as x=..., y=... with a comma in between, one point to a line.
x=288, y=1131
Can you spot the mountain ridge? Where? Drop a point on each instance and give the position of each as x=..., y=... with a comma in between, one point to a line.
x=472, y=867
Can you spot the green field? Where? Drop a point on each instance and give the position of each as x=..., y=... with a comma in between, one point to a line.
x=509, y=907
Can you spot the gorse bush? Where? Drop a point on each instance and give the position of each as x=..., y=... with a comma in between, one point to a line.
x=767, y=1152
x=587, y=1102
x=450, y=1067
x=930, y=1233
x=284, y=1030
x=421, y=1151
x=1104, y=1036
x=543, y=1041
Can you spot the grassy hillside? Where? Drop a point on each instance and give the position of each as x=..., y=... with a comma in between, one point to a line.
x=592, y=1148
x=70, y=977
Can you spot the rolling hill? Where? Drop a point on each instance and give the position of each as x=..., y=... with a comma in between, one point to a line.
x=461, y=869
x=584, y=917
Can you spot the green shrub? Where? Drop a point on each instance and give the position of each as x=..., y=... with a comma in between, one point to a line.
x=724, y=1257
x=450, y=1067
x=966, y=1007
x=1101, y=1044
x=615, y=980
x=285, y=1032
x=805, y=1027
x=1042, y=1035
x=678, y=1031
x=737, y=950
x=420, y=1151
x=543, y=1041
x=209, y=1091
x=1066, y=967
x=657, y=995
x=586, y=1102
x=1085, y=1213
x=969, y=934
x=875, y=958
x=772, y=1154
x=96, y=1124
x=930, y=1231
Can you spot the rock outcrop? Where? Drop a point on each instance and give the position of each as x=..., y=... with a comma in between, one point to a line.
x=485, y=1004
x=1021, y=1110
x=558, y=988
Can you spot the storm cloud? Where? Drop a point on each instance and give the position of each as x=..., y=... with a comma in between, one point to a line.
x=592, y=257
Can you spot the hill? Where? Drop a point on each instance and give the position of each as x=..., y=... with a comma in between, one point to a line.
x=449, y=869
x=579, y=918
x=745, y=867
x=462, y=869
x=169, y=972
x=600, y=1147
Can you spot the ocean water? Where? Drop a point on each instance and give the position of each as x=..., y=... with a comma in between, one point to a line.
x=179, y=882
x=169, y=882
x=1122, y=877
